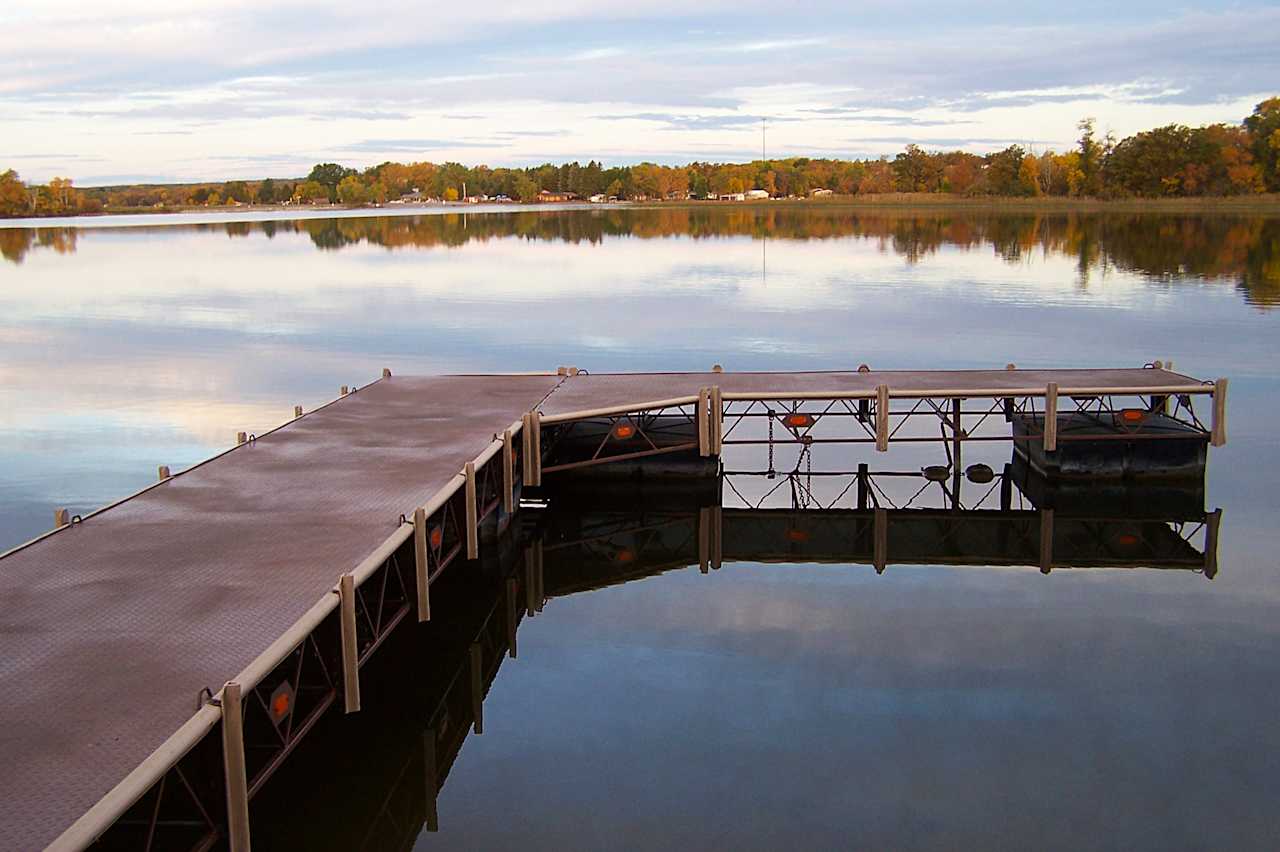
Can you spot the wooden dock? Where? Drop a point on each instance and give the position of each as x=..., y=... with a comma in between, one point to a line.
x=163, y=655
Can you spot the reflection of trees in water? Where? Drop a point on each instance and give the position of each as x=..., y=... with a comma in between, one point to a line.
x=1238, y=248
x=16, y=242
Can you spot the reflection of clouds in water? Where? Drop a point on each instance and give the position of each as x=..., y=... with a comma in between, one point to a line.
x=205, y=335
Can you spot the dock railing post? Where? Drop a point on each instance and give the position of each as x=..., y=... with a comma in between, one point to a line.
x=535, y=449
x=704, y=427
x=350, y=650
x=882, y=418
x=1051, y=417
x=234, y=767
x=717, y=420
x=526, y=447
x=1218, y=430
x=420, y=563
x=508, y=472
x=473, y=511
x=1046, y=541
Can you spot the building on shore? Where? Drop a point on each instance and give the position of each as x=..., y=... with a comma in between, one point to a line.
x=547, y=195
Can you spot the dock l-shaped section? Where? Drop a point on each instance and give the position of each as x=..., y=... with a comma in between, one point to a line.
x=241, y=596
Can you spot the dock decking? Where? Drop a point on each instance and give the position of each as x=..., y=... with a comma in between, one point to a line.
x=114, y=624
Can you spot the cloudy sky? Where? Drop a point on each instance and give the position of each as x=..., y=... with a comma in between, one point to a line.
x=137, y=90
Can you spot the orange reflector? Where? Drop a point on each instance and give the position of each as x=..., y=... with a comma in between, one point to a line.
x=625, y=555
x=1133, y=415
x=281, y=703
x=437, y=536
x=1126, y=540
x=799, y=421
x=623, y=430
x=797, y=535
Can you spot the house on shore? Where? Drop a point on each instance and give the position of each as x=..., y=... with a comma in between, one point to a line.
x=547, y=195
x=755, y=194
x=820, y=193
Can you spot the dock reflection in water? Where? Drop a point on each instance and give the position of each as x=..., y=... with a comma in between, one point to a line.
x=372, y=780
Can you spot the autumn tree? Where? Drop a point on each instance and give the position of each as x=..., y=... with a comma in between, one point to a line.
x=1003, y=175
x=351, y=191
x=1264, y=132
x=14, y=200
x=329, y=175
x=1092, y=154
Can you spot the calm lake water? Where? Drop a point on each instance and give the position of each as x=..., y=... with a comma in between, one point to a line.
x=766, y=704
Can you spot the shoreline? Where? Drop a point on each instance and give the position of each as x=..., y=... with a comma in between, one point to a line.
x=1256, y=204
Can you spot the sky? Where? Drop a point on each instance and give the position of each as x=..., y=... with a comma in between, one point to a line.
x=138, y=90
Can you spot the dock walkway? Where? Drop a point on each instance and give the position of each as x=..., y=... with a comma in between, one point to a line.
x=114, y=624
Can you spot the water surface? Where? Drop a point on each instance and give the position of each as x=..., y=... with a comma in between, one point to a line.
x=819, y=705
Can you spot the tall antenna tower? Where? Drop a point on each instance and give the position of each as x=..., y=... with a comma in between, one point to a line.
x=764, y=155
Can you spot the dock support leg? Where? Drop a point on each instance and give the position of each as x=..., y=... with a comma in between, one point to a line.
x=1212, y=524
x=530, y=584
x=704, y=426
x=350, y=652
x=704, y=539
x=511, y=616
x=533, y=577
x=432, y=779
x=508, y=473
x=1218, y=431
x=473, y=511
x=234, y=766
x=1051, y=417
x=538, y=585
x=864, y=486
x=477, y=686
x=882, y=418
x=1006, y=488
x=420, y=563
x=880, y=541
x=1046, y=541
x=717, y=541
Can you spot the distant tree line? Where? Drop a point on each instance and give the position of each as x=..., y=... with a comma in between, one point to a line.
x=1170, y=161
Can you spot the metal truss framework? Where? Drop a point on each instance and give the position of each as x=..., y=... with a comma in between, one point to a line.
x=715, y=421
x=630, y=543
x=624, y=437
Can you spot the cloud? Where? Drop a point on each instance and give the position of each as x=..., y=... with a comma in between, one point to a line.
x=410, y=145
x=690, y=122
x=604, y=77
x=857, y=114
